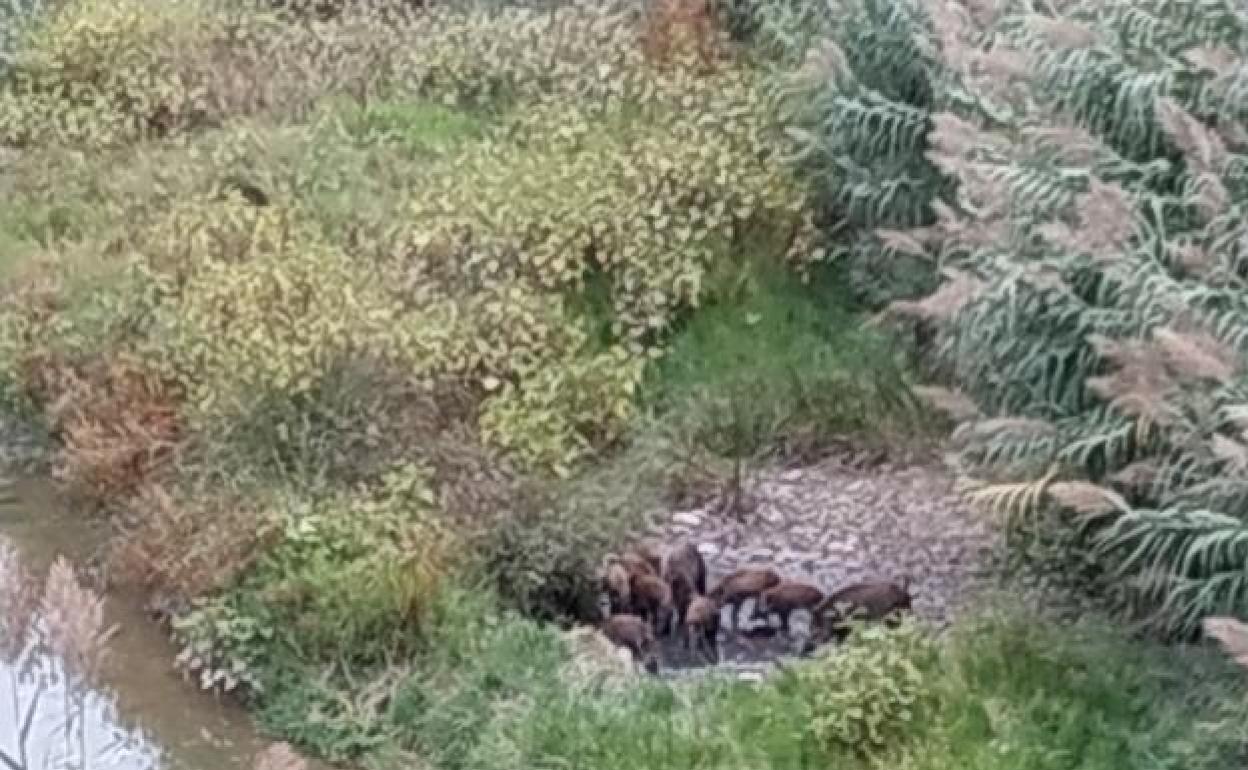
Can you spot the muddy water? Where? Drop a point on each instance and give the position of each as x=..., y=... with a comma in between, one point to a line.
x=191, y=729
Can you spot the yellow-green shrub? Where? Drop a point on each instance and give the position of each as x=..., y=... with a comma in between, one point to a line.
x=613, y=178
x=583, y=50
x=558, y=415
x=352, y=577
x=105, y=71
x=867, y=696
x=257, y=305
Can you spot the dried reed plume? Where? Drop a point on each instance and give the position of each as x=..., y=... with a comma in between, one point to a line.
x=280, y=756
x=74, y=617
x=954, y=228
x=953, y=25
x=1233, y=133
x=953, y=135
x=1001, y=62
x=1106, y=219
x=1141, y=383
x=1062, y=33
x=905, y=243
x=826, y=61
x=1004, y=426
x=1201, y=146
x=1211, y=196
x=1232, y=635
x=19, y=599
x=1068, y=142
x=1086, y=498
x=957, y=405
x=1234, y=453
x=1219, y=60
x=1138, y=475
x=945, y=303
x=1196, y=354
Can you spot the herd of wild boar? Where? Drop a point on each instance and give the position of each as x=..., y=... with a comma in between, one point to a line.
x=652, y=593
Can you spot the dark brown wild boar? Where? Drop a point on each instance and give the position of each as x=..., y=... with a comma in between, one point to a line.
x=635, y=634
x=615, y=580
x=865, y=601
x=637, y=564
x=651, y=551
x=702, y=627
x=784, y=599
x=741, y=585
x=652, y=599
x=685, y=572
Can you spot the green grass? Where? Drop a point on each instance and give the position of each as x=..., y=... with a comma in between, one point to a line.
x=773, y=361
x=1007, y=692
x=1027, y=695
x=417, y=126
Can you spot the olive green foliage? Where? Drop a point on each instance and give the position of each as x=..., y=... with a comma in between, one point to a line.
x=1008, y=692
x=462, y=262
x=106, y=71
x=350, y=580
x=777, y=366
x=1090, y=304
x=635, y=184
x=872, y=694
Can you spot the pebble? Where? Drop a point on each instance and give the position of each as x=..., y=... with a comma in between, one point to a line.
x=687, y=519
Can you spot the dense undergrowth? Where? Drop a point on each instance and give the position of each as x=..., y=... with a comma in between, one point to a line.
x=374, y=329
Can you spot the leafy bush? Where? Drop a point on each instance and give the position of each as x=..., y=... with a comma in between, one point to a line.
x=351, y=579
x=1089, y=301
x=870, y=695
x=15, y=16
x=107, y=71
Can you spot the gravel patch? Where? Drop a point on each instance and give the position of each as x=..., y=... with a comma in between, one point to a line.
x=834, y=524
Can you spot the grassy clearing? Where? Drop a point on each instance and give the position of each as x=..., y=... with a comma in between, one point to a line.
x=776, y=364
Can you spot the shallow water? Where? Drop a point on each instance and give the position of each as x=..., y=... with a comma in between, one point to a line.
x=190, y=729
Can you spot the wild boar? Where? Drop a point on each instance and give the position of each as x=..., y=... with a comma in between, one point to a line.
x=651, y=551
x=636, y=564
x=635, y=634
x=785, y=598
x=741, y=585
x=701, y=624
x=615, y=584
x=652, y=599
x=685, y=573
x=865, y=601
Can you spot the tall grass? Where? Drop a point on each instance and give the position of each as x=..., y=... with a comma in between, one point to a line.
x=1090, y=306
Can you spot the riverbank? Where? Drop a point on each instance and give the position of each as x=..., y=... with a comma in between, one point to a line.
x=186, y=727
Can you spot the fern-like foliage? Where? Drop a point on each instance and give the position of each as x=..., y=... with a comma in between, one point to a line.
x=1092, y=249
x=856, y=92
